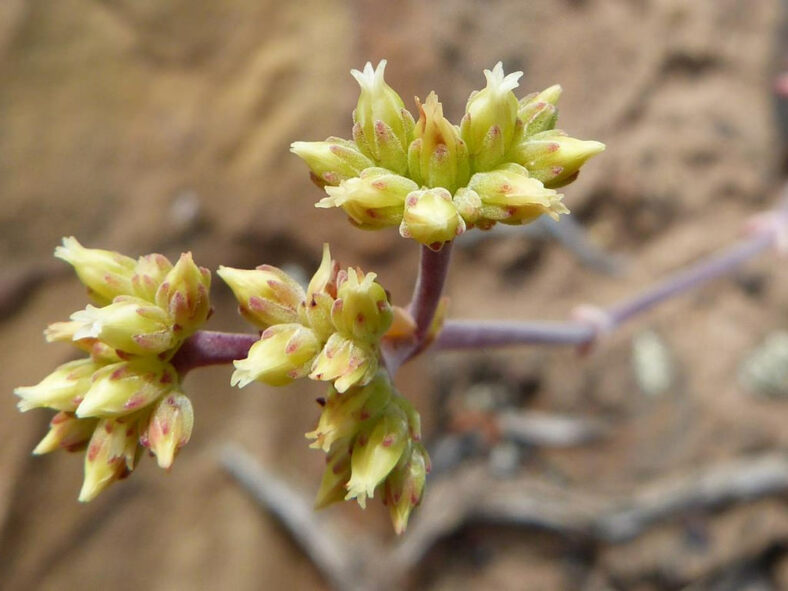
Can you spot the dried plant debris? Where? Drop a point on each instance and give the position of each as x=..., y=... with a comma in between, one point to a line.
x=765, y=370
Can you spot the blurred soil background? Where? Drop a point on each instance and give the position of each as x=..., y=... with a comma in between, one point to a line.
x=164, y=125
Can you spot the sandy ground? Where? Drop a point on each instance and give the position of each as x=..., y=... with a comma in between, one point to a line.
x=164, y=126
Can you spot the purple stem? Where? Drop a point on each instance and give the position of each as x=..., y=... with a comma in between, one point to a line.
x=433, y=268
x=473, y=334
x=469, y=334
x=706, y=270
x=206, y=347
x=214, y=348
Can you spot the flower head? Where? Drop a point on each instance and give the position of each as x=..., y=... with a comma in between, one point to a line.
x=129, y=324
x=538, y=111
x=438, y=157
x=361, y=310
x=112, y=454
x=283, y=354
x=490, y=120
x=511, y=196
x=382, y=128
x=66, y=431
x=553, y=157
x=431, y=218
x=266, y=295
x=372, y=200
x=63, y=389
x=122, y=388
x=404, y=486
x=331, y=161
x=184, y=295
x=168, y=428
x=105, y=273
x=376, y=451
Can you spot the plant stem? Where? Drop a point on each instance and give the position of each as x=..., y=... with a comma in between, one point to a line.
x=474, y=334
x=433, y=268
x=469, y=334
x=206, y=347
x=214, y=348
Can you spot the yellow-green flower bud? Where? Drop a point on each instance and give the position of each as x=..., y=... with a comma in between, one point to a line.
x=372, y=200
x=345, y=413
x=361, y=310
x=325, y=278
x=550, y=95
x=553, y=157
x=437, y=157
x=413, y=416
x=105, y=273
x=469, y=206
x=284, y=353
x=66, y=431
x=538, y=111
x=331, y=161
x=510, y=196
x=184, y=294
x=149, y=274
x=345, y=362
x=336, y=474
x=316, y=313
x=266, y=295
x=111, y=455
x=377, y=449
x=169, y=427
x=63, y=389
x=383, y=128
x=129, y=324
x=316, y=309
x=430, y=217
x=125, y=387
x=404, y=487
x=63, y=332
x=102, y=353
x=490, y=120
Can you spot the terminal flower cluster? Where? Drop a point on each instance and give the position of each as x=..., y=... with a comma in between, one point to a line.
x=125, y=396
x=433, y=179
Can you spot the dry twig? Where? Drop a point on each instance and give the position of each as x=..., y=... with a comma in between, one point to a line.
x=471, y=496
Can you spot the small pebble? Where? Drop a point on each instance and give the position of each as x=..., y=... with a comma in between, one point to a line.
x=765, y=370
x=505, y=459
x=652, y=364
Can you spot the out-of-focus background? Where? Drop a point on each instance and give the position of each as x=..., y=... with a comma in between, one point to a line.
x=164, y=125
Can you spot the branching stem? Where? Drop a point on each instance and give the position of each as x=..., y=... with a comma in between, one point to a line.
x=207, y=347
x=433, y=268
x=472, y=334
x=213, y=348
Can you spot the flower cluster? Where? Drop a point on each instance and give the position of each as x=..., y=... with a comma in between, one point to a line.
x=330, y=332
x=125, y=395
x=371, y=435
x=433, y=179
